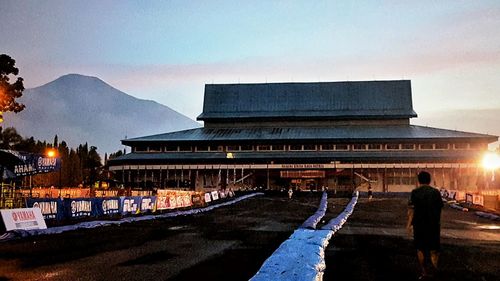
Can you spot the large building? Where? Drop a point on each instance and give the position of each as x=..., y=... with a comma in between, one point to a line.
x=306, y=136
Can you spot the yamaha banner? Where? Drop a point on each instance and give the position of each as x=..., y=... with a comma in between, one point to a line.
x=85, y=207
x=51, y=208
x=35, y=164
x=80, y=208
x=107, y=206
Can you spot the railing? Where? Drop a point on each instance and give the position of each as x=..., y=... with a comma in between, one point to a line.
x=10, y=198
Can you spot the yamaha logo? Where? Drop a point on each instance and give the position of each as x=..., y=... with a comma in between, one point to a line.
x=73, y=207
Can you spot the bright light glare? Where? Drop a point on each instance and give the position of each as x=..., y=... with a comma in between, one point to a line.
x=51, y=153
x=491, y=161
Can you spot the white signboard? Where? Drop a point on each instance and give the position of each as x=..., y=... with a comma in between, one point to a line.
x=25, y=218
x=215, y=195
x=207, y=197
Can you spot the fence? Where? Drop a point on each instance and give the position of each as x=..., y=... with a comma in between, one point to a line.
x=10, y=197
x=63, y=209
x=489, y=199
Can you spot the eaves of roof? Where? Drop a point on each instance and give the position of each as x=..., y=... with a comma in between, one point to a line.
x=334, y=134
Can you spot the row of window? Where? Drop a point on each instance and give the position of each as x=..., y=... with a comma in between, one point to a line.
x=310, y=147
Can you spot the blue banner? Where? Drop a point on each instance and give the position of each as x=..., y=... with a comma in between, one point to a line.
x=148, y=204
x=130, y=205
x=51, y=208
x=35, y=164
x=80, y=207
x=77, y=208
x=107, y=206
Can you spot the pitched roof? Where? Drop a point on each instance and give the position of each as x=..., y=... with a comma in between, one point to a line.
x=338, y=133
x=322, y=100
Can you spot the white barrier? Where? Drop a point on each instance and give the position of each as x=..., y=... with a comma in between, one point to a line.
x=337, y=223
x=302, y=256
x=313, y=220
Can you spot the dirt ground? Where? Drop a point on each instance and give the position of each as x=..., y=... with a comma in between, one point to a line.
x=232, y=242
x=374, y=245
x=228, y=243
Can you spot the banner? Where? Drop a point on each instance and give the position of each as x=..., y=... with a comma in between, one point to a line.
x=148, y=204
x=478, y=200
x=468, y=198
x=173, y=202
x=162, y=203
x=107, y=206
x=460, y=196
x=35, y=164
x=24, y=218
x=208, y=199
x=79, y=208
x=75, y=208
x=187, y=200
x=196, y=199
x=222, y=194
x=130, y=205
x=215, y=195
x=50, y=208
x=452, y=194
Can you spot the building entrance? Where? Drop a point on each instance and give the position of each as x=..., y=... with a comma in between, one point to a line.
x=304, y=184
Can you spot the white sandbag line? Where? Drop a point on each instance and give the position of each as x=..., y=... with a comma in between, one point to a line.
x=302, y=256
x=337, y=223
x=93, y=224
x=313, y=220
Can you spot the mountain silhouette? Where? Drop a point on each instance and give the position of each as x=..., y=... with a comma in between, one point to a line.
x=81, y=109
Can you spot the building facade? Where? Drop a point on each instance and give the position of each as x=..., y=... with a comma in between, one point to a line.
x=308, y=136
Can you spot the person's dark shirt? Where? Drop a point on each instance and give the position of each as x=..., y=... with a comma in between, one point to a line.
x=427, y=203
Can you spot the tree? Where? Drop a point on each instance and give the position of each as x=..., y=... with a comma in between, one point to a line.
x=9, y=92
x=94, y=162
x=9, y=138
x=116, y=154
x=74, y=169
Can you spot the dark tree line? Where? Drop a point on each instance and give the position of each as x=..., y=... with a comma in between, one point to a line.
x=9, y=91
x=79, y=166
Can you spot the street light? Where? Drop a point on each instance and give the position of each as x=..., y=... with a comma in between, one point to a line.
x=52, y=153
x=491, y=161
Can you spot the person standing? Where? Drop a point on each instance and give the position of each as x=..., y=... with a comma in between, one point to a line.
x=290, y=193
x=424, y=216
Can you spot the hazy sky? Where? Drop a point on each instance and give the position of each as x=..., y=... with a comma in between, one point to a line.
x=167, y=50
